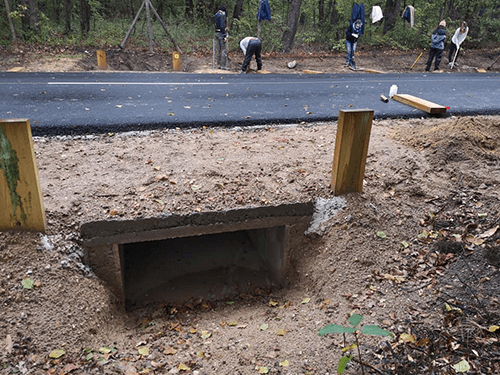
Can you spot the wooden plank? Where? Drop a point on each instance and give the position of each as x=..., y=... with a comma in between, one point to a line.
x=307, y=71
x=418, y=103
x=374, y=71
x=351, y=149
x=20, y=197
x=17, y=69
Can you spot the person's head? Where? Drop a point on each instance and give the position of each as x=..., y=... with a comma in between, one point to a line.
x=463, y=27
x=442, y=23
x=222, y=8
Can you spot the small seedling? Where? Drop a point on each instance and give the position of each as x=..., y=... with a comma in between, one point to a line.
x=354, y=321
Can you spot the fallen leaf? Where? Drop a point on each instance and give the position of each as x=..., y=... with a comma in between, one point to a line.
x=285, y=363
x=232, y=324
x=281, y=332
x=305, y=301
x=193, y=330
x=205, y=334
x=407, y=337
x=263, y=370
x=9, y=344
x=200, y=354
x=105, y=350
x=170, y=351
x=462, y=366
x=183, y=367
x=67, y=369
x=143, y=350
x=113, y=212
x=27, y=283
x=381, y=234
x=273, y=304
x=264, y=326
x=490, y=232
x=493, y=328
x=57, y=353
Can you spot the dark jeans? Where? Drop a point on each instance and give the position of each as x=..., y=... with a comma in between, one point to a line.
x=453, y=48
x=221, y=49
x=254, y=48
x=434, y=53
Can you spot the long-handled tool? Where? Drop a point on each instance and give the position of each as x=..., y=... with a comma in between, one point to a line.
x=213, y=53
x=455, y=57
x=494, y=62
x=418, y=58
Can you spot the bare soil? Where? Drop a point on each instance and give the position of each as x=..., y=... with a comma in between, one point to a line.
x=368, y=58
x=417, y=252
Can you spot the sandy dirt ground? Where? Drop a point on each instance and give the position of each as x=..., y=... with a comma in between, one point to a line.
x=416, y=253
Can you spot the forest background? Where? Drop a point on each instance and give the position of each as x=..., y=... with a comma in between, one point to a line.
x=308, y=24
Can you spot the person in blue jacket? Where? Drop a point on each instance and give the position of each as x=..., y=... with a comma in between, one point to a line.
x=438, y=38
x=352, y=35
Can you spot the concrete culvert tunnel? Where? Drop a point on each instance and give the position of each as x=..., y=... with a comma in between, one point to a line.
x=206, y=267
x=211, y=255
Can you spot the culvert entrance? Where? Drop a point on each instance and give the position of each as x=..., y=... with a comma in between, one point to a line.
x=208, y=255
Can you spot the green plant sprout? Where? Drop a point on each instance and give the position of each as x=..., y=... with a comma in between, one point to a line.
x=354, y=321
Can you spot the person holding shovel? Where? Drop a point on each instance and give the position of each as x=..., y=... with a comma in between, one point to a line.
x=456, y=41
x=438, y=38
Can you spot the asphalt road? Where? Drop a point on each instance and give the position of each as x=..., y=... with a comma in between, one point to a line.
x=82, y=103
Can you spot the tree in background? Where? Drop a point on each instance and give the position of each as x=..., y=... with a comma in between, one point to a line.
x=292, y=24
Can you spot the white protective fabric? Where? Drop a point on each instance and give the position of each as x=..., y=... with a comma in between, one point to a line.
x=458, y=37
x=377, y=14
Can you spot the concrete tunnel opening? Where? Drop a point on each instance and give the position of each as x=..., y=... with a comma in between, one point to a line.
x=206, y=255
x=203, y=267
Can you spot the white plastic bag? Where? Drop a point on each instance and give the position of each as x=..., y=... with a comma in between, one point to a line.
x=393, y=91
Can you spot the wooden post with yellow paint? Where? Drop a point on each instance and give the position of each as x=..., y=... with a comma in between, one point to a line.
x=351, y=150
x=20, y=196
x=101, y=59
x=176, y=61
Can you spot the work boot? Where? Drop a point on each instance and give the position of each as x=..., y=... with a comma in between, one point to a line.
x=353, y=66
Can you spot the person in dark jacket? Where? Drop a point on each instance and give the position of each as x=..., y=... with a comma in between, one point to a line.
x=221, y=37
x=351, y=41
x=438, y=38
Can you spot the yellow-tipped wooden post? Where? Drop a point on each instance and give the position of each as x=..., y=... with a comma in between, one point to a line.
x=176, y=61
x=101, y=60
x=351, y=149
x=20, y=197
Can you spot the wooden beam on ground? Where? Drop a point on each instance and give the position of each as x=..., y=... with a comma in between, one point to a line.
x=418, y=103
x=374, y=71
x=351, y=149
x=20, y=197
x=307, y=71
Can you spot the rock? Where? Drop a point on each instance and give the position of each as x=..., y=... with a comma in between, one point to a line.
x=292, y=64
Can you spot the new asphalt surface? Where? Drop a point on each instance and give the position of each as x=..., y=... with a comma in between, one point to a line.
x=86, y=103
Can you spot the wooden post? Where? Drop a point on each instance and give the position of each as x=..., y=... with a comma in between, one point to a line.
x=148, y=20
x=351, y=149
x=20, y=197
x=101, y=59
x=176, y=61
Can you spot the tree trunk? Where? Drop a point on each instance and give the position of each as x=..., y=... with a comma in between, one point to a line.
x=238, y=9
x=334, y=14
x=189, y=9
x=321, y=12
x=57, y=11
x=292, y=23
x=67, y=16
x=392, y=8
x=85, y=12
x=33, y=12
x=11, y=24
